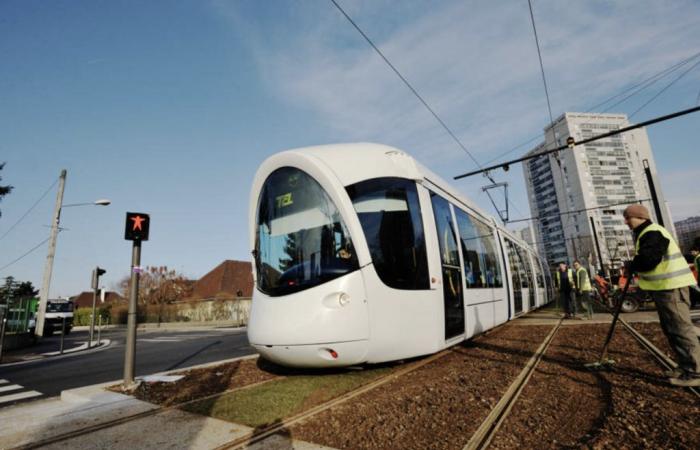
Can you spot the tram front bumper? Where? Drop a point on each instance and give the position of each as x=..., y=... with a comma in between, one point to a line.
x=336, y=354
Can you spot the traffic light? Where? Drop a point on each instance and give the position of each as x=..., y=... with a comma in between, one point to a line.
x=96, y=273
x=137, y=225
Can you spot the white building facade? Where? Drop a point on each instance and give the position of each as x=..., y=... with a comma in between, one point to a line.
x=588, y=187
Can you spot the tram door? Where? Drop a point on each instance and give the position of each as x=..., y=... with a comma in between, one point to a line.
x=525, y=258
x=451, y=268
x=515, y=276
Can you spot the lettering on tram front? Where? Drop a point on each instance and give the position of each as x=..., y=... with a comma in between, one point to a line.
x=284, y=200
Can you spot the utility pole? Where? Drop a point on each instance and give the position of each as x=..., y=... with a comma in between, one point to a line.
x=48, y=268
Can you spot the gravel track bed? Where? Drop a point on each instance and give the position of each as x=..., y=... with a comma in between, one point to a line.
x=630, y=406
x=436, y=407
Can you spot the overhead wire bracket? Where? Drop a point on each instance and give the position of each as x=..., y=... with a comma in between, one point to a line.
x=502, y=213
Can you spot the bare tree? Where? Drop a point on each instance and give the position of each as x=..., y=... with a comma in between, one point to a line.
x=159, y=286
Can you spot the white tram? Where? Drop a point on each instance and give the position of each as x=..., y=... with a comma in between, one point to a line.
x=361, y=254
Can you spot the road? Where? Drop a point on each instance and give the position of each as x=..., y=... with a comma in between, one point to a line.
x=156, y=351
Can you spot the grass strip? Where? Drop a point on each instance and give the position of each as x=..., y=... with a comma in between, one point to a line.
x=276, y=400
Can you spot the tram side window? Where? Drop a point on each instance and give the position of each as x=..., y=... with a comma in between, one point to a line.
x=525, y=269
x=514, y=260
x=494, y=278
x=479, y=252
x=389, y=211
x=538, y=271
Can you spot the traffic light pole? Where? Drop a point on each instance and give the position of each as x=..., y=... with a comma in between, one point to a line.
x=131, y=323
x=96, y=287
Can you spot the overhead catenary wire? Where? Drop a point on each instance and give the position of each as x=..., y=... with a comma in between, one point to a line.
x=664, y=89
x=507, y=164
x=29, y=210
x=644, y=84
x=415, y=92
x=639, y=87
x=539, y=55
x=24, y=255
x=405, y=81
x=610, y=205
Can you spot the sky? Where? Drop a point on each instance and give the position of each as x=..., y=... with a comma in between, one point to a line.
x=169, y=107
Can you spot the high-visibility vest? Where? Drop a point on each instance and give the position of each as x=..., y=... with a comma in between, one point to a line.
x=672, y=272
x=569, y=274
x=585, y=283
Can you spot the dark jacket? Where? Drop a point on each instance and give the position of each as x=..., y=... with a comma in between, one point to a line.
x=652, y=248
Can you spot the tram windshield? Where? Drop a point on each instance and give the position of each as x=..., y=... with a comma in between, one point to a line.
x=301, y=240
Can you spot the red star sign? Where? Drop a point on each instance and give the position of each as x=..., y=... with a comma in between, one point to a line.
x=137, y=223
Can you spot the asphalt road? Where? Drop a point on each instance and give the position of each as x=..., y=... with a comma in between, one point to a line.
x=156, y=351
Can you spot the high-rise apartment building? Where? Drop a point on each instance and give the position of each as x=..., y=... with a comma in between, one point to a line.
x=575, y=190
x=688, y=231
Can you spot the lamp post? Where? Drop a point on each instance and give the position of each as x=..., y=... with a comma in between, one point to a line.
x=48, y=268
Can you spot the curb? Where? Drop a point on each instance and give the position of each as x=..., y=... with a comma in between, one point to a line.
x=81, y=349
x=168, y=326
x=98, y=393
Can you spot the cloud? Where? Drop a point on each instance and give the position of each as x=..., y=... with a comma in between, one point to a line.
x=475, y=64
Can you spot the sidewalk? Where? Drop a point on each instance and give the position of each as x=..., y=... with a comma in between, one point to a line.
x=94, y=418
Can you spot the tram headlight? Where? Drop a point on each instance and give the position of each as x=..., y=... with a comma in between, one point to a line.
x=336, y=300
x=343, y=299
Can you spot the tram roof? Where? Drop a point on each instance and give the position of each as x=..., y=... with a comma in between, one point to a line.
x=355, y=162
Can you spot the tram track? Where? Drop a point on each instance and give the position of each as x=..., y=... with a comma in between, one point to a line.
x=261, y=434
x=490, y=426
x=660, y=357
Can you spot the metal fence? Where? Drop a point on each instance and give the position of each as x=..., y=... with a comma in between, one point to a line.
x=19, y=315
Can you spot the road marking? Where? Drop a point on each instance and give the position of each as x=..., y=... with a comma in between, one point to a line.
x=161, y=340
x=12, y=387
x=3, y=381
x=19, y=396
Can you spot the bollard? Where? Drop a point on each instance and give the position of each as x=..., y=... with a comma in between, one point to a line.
x=2, y=335
x=92, y=327
x=63, y=333
x=99, y=329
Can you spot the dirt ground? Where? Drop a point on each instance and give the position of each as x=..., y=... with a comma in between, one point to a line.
x=440, y=405
x=436, y=407
x=566, y=405
x=199, y=383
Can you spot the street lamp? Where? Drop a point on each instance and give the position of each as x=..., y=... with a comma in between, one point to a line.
x=48, y=268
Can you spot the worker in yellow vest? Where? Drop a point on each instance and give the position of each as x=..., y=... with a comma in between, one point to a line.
x=565, y=284
x=664, y=273
x=695, y=290
x=583, y=289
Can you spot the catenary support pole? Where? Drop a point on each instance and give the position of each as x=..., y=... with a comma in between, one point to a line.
x=597, y=245
x=652, y=190
x=130, y=351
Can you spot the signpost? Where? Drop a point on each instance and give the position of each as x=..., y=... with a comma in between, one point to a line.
x=136, y=230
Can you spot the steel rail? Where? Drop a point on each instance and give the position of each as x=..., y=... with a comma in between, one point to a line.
x=483, y=435
x=659, y=356
x=260, y=434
